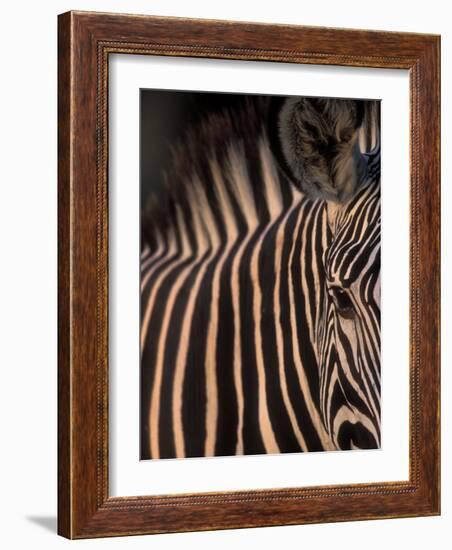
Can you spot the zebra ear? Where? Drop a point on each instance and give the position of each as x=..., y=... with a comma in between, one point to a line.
x=316, y=143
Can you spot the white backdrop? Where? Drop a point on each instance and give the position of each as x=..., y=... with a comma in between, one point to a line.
x=28, y=270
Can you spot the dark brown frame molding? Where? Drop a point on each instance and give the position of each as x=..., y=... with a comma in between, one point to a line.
x=85, y=41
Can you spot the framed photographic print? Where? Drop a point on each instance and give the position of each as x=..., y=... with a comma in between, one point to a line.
x=248, y=275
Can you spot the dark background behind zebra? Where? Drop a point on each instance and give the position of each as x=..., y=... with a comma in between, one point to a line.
x=165, y=116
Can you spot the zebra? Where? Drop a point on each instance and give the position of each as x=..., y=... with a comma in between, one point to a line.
x=260, y=284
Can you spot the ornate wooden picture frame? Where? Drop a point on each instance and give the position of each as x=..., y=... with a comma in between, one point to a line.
x=85, y=508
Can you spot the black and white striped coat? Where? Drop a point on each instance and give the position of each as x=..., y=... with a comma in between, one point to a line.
x=260, y=296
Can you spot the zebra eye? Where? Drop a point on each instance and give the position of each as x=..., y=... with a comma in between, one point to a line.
x=342, y=301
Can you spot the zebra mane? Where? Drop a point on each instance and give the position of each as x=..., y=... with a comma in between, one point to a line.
x=222, y=140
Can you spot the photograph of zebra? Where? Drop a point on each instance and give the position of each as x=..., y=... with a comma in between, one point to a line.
x=260, y=274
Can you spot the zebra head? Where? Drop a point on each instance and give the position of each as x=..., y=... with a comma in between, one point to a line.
x=328, y=148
